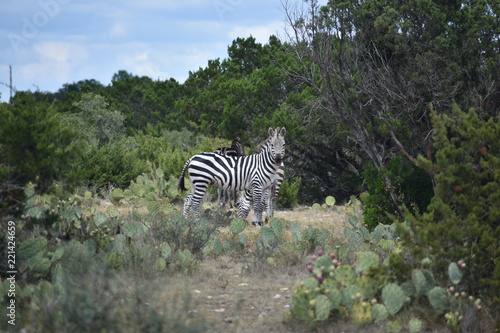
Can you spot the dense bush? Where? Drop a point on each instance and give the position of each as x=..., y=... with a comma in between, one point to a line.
x=412, y=185
x=36, y=146
x=461, y=222
x=289, y=193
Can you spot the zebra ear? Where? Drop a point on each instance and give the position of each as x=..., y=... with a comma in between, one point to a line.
x=283, y=131
x=271, y=131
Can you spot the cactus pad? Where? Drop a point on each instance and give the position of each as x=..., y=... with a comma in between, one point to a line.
x=408, y=289
x=311, y=283
x=330, y=201
x=345, y=275
x=361, y=313
x=237, y=226
x=277, y=226
x=31, y=247
x=393, y=298
x=438, y=297
x=379, y=312
x=366, y=261
x=301, y=308
x=454, y=273
x=415, y=325
x=368, y=285
x=351, y=295
x=422, y=281
x=334, y=296
x=115, y=196
x=322, y=307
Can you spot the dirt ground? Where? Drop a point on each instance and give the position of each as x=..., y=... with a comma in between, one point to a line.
x=238, y=294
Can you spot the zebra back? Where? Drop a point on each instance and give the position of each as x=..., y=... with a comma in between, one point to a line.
x=237, y=149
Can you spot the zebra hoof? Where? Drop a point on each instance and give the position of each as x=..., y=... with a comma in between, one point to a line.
x=257, y=224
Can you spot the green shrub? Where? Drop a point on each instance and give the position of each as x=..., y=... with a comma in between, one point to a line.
x=412, y=185
x=289, y=191
x=461, y=222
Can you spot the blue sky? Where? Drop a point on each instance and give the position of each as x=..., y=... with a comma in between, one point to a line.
x=52, y=42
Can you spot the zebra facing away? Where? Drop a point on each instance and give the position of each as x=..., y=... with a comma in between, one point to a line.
x=237, y=149
x=253, y=172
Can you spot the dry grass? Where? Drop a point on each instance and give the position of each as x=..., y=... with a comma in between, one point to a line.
x=238, y=294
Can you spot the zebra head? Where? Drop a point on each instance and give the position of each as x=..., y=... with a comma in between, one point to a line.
x=276, y=143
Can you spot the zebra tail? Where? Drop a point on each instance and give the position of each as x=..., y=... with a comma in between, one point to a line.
x=181, y=185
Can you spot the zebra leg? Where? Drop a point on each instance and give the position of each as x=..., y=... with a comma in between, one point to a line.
x=244, y=205
x=187, y=205
x=196, y=208
x=219, y=197
x=257, y=207
x=265, y=204
x=195, y=200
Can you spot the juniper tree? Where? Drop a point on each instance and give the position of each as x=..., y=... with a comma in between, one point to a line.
x=463, y=218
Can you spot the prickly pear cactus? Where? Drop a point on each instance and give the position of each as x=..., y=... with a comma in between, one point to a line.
x=379, y=312
x=322, y=307
x=31, y=247
x=330, y=201
x=423, y=281
x=116, y=195
x=366, y=261
x=301, y=307
x=361, y=313
x=351, y=295
x=368, y=285
x=345, y=275
x=32, y=256
x=237, y=226
x=311, y=283
x=454, y=273
x=415, y=325
x=277, y=226
x=329, y=288
x=438, y=297
x=408, y=289
x=393, y=326
x=393, y=298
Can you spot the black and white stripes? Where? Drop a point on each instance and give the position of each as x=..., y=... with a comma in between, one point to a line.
x=255, y=172
x=237, y=149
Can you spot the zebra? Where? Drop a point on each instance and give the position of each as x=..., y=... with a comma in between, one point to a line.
x=237, y=149
x=254, y=172
x=269, y=196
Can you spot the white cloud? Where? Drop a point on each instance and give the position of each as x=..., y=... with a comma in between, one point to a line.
x=60, y=52
x=261, y=33
x=56, y=63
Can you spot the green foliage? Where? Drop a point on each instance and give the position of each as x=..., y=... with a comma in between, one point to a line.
x=116, y=163
x=36, y=146
x=461, y=222
x=412, y=185
x=97, y=124
x=289, y=193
